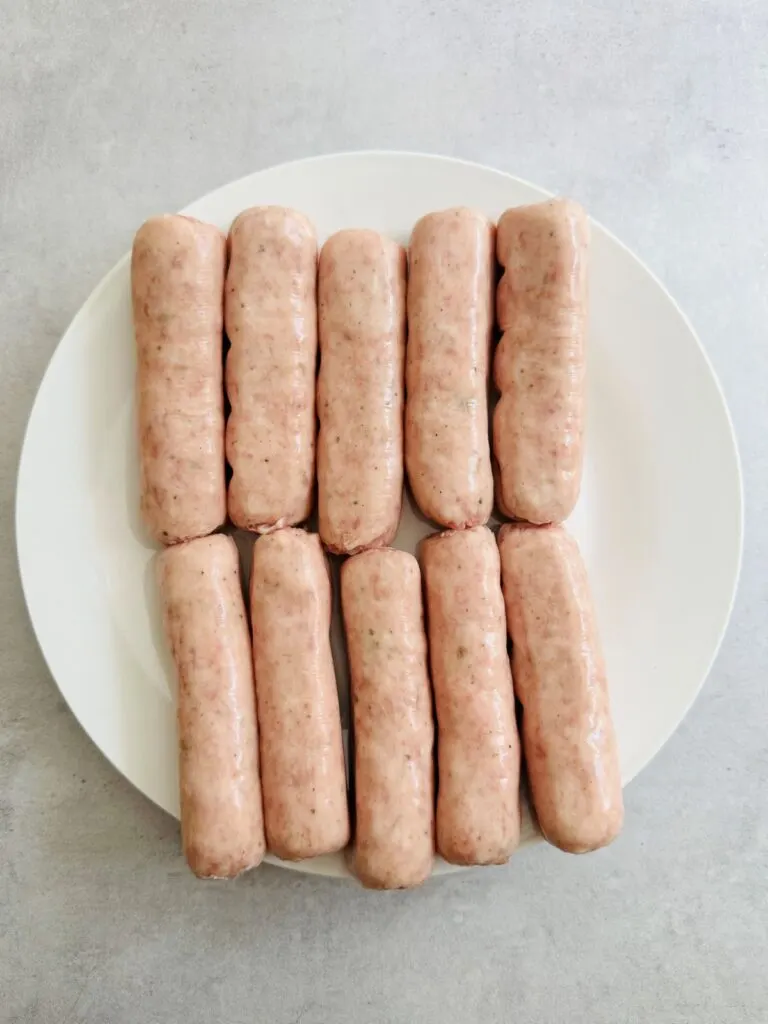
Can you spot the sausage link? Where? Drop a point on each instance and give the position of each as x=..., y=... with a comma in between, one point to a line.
x=568, y=736
x=270, y=311
x=302, y=757
x=177, y=284
x=361, y=302
x=538, y=423
x=450, y=316
x=222, y=825
x=392, y=719
x=478, y=800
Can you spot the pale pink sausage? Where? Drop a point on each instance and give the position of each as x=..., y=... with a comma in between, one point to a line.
x=302, y=757
x=271, y=320
x=222, y=825
x=538, y=424
x=177, y=282
x=361, y=305
x=451, y=271
x=557, y=664
x=478, y=799
x=392, y=719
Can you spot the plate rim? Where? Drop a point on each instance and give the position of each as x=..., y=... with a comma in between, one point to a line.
x=306, y=867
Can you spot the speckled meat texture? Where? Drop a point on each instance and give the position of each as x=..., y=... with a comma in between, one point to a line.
x=271, y=321
x=177, y=278
x=478, y=799
x=361, y=301
x=568, y=736
x=302, y=757
x=222, y=825
x=450, y=317
x=392, y=718
x=538, y=423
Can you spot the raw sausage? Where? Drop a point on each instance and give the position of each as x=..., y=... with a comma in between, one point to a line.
x=361, y=302
x=450, y=315
x=478, y=801
x=392, y=719
x=222, y=826
x=568, y=736
x=270, y=311
x=177, y=281
x=538, y=424
x=302, y=757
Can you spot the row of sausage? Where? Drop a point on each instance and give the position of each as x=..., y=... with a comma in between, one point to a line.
x=279, y=305
x=261, y=757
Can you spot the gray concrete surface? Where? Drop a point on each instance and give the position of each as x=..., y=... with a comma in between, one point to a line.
x=656, y=115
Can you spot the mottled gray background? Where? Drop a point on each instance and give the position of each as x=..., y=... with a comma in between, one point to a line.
x=656, y=116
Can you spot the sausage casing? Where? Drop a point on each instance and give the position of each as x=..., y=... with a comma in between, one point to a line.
x=222, y=825
x=450, y=316
x=478, y=800
x=361, y=307
x=538, y=423
x=271, y=320
x=557, y=663
x=302, y=757
x=392, y=719
x=177, y=284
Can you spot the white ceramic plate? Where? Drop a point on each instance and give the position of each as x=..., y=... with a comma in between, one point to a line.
x=659, y=520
